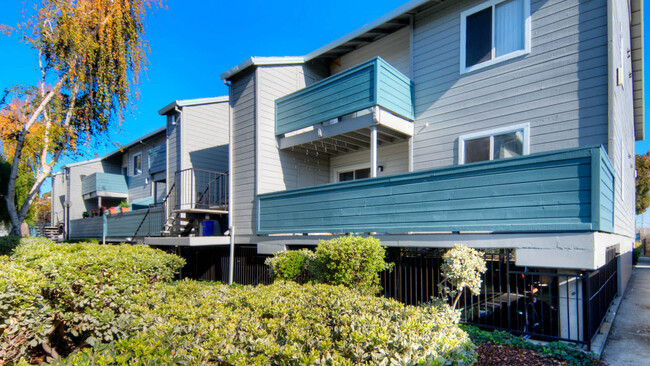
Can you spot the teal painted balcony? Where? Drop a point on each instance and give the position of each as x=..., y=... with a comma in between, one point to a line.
x=567, y=190
x=373, y=83
x=104, y=185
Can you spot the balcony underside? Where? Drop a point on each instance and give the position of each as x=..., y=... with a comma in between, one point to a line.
x=568, y=190
x=348, y=135
x=104, y=194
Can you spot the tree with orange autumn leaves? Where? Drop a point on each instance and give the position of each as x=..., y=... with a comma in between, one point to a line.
x=90, y=55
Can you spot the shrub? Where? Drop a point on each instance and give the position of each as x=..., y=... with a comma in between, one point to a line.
x=557, y=350
x=636, y=253
x=8, y=243
x=462, y=267
x=282, y=324
x=292, y=265
x=24, y=313
x=352, y=261
x=87, y=290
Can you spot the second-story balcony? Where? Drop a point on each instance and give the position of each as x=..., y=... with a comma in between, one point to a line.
x=559, y=191
x=104, y=185
x=344, y=111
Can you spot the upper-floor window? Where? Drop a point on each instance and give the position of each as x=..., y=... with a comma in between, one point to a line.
x=494, y=144
x=494, y=31
x=137, y=164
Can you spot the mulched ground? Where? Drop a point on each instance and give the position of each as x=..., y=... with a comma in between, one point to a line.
x=492, y=355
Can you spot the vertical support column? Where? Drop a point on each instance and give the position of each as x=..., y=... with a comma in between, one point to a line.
x=373, y=151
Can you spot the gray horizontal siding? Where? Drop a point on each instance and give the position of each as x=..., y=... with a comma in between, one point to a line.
x=394, y=48
x=242, y=102
x=279, y=169
x=560, y=88
x=205, y=137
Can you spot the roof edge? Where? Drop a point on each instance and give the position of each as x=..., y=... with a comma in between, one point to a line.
x=136, y=141
x=254, y=61
x=190, y=102
x=361, y=30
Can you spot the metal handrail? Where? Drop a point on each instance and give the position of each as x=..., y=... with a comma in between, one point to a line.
x=197, y=184
x=149, y=211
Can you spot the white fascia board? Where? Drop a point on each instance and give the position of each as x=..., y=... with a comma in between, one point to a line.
x=81, y=163
x=190, y=102
x=359, y=31
x=251, y=61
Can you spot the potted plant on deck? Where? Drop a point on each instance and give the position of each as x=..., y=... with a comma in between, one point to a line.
x=93, y=213
x=112, y=210
x=85, y=214
x=124, y=207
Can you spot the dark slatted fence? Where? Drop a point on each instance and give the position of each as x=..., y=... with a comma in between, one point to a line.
x=541, y=303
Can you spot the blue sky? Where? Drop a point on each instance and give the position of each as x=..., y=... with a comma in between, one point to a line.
x=193, y=42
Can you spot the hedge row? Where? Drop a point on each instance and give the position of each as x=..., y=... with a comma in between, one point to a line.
x=282, y=324
x=62, y=297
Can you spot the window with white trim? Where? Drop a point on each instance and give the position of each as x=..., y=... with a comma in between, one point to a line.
x=494, y=144
x=137, y=164
x=493, y=32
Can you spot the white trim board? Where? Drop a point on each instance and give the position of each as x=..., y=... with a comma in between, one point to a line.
x=525, y=127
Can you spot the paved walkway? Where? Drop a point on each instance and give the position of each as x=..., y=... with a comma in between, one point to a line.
x=629, y=340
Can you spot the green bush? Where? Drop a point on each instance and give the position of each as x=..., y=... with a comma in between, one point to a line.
x=24, y=313
x=636, y=254
x=282, y=324
x=86, y=291
x=352, y=261
x=292, y=265
x=8, y=243
x=77, y=241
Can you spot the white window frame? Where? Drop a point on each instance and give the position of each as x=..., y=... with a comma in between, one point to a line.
x=494, y=59
x=524, y=127
x=133, y=162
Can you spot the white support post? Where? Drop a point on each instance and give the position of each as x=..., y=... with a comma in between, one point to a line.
x=373, y=151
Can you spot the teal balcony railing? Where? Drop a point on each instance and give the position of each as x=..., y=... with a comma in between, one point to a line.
x=104, y=182
x=568, y=190
x=373, y=83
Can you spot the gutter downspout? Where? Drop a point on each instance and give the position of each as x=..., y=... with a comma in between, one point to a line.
x=231, y=227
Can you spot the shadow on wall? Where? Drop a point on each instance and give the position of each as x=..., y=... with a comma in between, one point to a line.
x=214, y=159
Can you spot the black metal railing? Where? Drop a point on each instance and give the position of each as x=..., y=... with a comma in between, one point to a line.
x=602, y=287
x=198, y=188
x=541, y=303
x=212, y=263
x=157, y=215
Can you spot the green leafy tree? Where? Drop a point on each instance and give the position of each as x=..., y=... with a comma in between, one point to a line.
x=462, y=268
x=642, y=182
x=90, y=55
